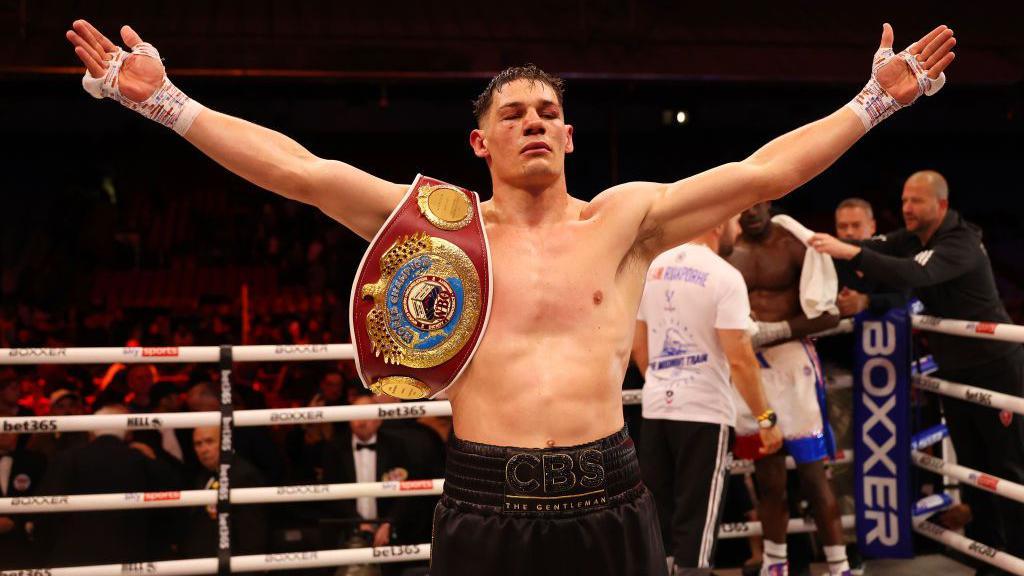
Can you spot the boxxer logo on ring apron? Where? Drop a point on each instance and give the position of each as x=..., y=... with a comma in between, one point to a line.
x=421, y=297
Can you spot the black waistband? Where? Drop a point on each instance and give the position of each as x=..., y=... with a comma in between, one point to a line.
x=548, y=481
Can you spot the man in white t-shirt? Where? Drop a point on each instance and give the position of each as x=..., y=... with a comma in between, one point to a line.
x=691, y=339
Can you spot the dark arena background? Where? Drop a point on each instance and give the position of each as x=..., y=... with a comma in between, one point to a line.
x=116, y=232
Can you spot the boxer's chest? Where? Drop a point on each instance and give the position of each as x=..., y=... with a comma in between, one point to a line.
x=765, y=266
x=558, y=277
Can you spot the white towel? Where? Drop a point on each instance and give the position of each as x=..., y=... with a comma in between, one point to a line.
x=818, y=281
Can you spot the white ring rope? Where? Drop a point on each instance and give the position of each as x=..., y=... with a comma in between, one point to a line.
x=795, y=526
x=970, y=328
x=970, y=547
x=845, y=326
x=282, y=352
x=242, y=418
x=982, y=396
x=975, y=478
x=252, y=563
x=171, y=354
x=262, y=495
x=184, y=498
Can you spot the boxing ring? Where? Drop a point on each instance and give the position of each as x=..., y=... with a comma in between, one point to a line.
x=866, y=460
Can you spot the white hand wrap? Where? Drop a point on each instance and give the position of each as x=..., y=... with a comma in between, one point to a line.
x=167, y=105
x=874, y=104
x=769, y=333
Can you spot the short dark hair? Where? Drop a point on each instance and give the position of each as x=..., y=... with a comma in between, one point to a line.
x=857, y=203
x=526, y=72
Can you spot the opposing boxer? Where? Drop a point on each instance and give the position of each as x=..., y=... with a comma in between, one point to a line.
x=541, y=477
x=792, y=295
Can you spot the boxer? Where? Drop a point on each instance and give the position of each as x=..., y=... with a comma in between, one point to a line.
x=542, y=477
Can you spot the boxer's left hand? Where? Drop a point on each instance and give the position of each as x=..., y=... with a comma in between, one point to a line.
x=931, y=55
x=834, y=247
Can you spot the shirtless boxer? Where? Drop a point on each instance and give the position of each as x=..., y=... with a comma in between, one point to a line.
x=771, y=260
x=567, y=280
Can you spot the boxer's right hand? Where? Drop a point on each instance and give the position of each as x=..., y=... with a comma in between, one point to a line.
x=771, y=440
x=138, y=75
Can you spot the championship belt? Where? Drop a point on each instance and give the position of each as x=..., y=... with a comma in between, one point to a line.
x=421, y=297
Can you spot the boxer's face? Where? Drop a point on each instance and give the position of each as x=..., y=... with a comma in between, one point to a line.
x=853, y=223
x=922, y=209
x=524, y=137
x=755, y=219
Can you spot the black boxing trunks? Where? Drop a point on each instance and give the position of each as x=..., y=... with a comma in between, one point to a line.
x=559, y=511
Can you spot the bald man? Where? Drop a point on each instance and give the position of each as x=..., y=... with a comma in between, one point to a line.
x=940, y=257
x=249, y=528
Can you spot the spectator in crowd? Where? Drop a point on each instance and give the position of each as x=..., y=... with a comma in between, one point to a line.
x=371, y=454
x=140, y=378
x=10, y=394
x=305, y=444
x=21, y=471
x=249, y=528
x=109, y=463
x=63, y=402
x=170, y=445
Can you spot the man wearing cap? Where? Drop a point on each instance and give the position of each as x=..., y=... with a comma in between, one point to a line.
x=63, y=402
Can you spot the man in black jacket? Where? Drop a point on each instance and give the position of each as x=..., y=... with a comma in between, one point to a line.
x=107, y=464
x=21, y=471
x=249, y=527
x=372, y=454
x=941, y=258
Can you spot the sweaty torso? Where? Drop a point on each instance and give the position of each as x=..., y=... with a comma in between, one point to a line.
x=771, y=268
x=549, y=369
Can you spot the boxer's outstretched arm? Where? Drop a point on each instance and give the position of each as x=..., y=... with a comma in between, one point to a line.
x=680, y=211
x=273, y=161
x=264, y=157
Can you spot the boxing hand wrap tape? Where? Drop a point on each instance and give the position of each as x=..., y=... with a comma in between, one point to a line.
x=167, y=105
x=874, y=104
x=769, y=333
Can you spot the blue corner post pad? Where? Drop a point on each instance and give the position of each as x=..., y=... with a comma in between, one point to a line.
x=882, y=434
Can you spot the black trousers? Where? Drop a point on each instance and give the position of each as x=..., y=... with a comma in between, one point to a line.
x=992, y=442
x=686, y=466
x=558, y=511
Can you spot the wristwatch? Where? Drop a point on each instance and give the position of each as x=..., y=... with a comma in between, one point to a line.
x=767, y=419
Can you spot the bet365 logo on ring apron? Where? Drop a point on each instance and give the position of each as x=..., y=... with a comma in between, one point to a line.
x=421, y=298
